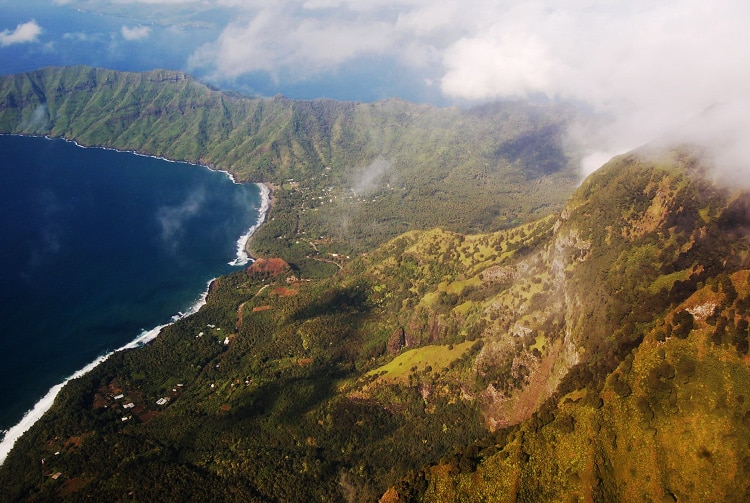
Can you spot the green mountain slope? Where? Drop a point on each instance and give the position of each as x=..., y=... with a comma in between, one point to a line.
x=348, y=176
x=599, y=354
x=657, y=310
x=669, y=424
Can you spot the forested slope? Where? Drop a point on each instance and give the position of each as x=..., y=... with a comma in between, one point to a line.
x=347, y=176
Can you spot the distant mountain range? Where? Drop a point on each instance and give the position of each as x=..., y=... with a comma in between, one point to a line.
x=447, y=318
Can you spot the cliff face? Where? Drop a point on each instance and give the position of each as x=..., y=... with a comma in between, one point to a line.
x=653, y=304
x=669, y=423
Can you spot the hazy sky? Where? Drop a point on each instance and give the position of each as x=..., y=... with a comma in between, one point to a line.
x=651, y=65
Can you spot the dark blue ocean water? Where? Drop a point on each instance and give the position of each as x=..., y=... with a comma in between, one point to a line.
x=95, y=247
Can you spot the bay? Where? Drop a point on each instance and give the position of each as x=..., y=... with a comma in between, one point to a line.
x=96, y=248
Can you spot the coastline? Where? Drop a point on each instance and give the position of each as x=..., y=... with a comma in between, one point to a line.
x=46, y=402
x=243, y=257
x=9, y=437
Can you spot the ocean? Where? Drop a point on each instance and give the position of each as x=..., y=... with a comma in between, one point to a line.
x=98, y=249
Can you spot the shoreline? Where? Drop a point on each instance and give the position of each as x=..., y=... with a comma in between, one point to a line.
x=9, y=437
x=243, y=256
x=45, y=403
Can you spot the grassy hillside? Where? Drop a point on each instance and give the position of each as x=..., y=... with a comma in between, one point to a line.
x=598, y=354
x=347, y=176
x=669, y=424
x=654, y=409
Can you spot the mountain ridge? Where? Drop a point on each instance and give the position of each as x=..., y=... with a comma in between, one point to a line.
x=644, y=388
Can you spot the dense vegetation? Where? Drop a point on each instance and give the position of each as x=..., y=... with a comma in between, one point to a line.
x=525, y=364
x=347, y=176
x=598, y=353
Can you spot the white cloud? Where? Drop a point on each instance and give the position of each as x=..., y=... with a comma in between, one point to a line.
x=94, y=5
x=372, y=177
x=187, y=2
x=173, y=219
x=80, y=36
x=652, y=67
x=26, y=32
x=508, y=63
x=278, y=39
x=135, y=33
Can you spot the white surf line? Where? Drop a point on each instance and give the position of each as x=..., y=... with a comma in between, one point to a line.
x=242, y=256
x=46, y=402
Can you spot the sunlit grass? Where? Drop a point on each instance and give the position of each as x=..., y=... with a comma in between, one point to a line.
x=418, y=359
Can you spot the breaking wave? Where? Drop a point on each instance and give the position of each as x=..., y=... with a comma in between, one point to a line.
x=242, y=256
